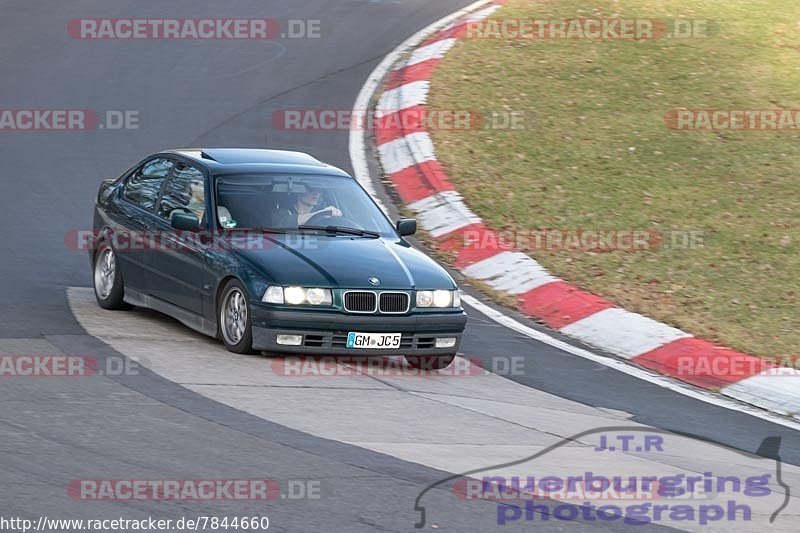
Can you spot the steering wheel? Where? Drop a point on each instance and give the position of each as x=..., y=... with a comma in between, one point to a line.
x=325, y=219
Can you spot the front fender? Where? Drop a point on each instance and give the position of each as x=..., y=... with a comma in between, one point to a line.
x=226, y=266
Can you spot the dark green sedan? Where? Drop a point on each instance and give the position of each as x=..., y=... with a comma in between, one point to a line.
x=271, y=251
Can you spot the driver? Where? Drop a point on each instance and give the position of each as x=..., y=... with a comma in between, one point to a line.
x=303, y=209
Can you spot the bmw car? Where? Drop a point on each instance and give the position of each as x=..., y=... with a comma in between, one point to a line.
x=271, y=251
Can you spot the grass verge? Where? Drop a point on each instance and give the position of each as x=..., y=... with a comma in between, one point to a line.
x=595, y=153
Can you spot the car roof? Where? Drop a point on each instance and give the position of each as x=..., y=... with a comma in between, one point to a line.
x=256, y=160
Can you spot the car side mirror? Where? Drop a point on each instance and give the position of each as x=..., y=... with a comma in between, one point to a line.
x=105, y=191
x=185, y=221
x=406, y=226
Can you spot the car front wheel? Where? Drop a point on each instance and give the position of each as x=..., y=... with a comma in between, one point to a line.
x=429, y=362
x=234, y=318
x=109, y=289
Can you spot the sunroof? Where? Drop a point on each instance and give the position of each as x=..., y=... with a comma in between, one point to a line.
x=230, y=156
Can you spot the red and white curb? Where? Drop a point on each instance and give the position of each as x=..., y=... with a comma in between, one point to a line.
x=409, y=159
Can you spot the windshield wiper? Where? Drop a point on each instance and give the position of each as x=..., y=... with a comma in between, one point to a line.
x=279, y=231
x=341, y=229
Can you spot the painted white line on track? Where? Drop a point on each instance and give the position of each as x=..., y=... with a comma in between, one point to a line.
x=482, y=13
x=626, y=368
x=435, y=50
x=775, y=389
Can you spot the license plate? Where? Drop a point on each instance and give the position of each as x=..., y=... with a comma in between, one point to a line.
x=374, y=341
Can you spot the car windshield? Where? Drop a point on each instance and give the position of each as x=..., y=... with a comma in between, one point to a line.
x=330, y=204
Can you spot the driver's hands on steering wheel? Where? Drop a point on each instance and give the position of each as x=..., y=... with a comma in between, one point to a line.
x=325, y=212
x=334, y=211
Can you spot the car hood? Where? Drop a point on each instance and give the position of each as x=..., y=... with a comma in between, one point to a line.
x=344, y=262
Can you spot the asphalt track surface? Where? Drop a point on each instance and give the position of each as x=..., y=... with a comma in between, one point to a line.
x=192, y=93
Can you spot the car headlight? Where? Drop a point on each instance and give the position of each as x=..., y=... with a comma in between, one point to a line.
x=273, y=295
x=297, y=295
x=294, y=295
x=438, y=298
x=317, y=296
x=424, y=298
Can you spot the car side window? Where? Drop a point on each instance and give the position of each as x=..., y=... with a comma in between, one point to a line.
x=184, y=192
x=144, y=185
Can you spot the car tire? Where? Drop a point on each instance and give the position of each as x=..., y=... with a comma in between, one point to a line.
x=109, y=287
x=429, y=362
x=234, y=318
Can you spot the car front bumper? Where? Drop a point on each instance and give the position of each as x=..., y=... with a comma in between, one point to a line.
x=325, y=333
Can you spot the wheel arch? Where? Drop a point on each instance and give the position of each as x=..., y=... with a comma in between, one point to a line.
x=217, y=297
x=101, y=237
